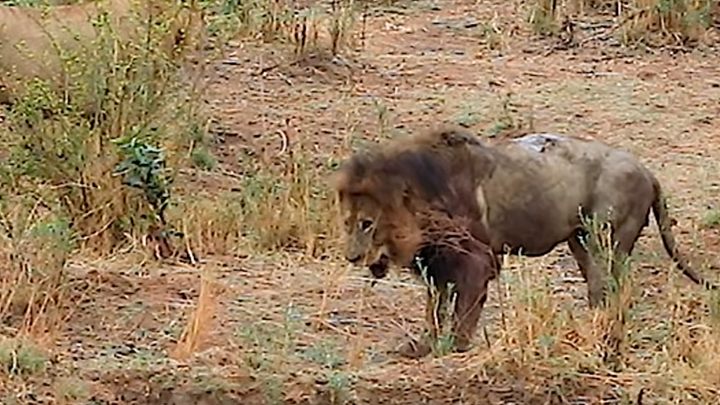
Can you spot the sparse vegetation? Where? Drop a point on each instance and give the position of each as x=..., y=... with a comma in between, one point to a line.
x=233, y=171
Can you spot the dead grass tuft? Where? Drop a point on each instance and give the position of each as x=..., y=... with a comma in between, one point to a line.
x=200, y=322
x=35, y=245
x=281, y=202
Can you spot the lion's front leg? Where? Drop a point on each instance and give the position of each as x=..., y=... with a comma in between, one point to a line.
x=435, y=304
x=471, y=297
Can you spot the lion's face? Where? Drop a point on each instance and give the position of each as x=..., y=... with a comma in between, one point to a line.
x=376, y=235
x=365, y=234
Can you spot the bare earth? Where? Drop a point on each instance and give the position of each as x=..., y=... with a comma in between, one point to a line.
x=289, y=328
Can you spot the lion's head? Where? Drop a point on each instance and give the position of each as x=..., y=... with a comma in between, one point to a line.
x=391, y=198
x=378, y=231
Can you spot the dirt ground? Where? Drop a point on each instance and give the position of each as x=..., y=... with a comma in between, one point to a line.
x=288, y=328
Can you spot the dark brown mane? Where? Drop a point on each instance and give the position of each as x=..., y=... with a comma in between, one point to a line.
x=427, y=173
x=420, y=170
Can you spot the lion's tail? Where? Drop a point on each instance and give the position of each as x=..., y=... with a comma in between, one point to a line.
x=665, y=226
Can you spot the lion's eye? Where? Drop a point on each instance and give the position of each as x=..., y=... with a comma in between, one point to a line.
x=365, y=225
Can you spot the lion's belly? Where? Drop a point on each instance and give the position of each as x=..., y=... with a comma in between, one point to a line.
x=530, y=234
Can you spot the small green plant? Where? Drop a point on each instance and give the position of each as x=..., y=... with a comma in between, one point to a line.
x=71, y=390
x=467, y=116
x=712, y=219
x=20, y=357
x=202, y=156
x=143, y=167
x=326, y=354
x=342, y=20
x=446, y=339
x=384, y=118
x=492, y=35
x=339, y=385
x=542, y=17
x=714, y=304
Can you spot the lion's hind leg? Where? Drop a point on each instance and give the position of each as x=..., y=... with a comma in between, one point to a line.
x=625, y=235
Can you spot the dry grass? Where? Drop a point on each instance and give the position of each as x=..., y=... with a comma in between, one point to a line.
x=653, y=22
x=268, y=312
x=305, y=26
x=200, y=320
x=280, y=202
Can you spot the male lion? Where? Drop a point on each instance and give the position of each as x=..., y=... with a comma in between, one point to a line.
x=524, y=196
x=32, y=37
x=410, y=230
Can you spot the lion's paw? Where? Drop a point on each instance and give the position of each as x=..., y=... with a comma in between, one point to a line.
x=414, y=349
x=462, y=347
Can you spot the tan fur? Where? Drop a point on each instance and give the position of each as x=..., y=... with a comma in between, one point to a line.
x=522, y=196
x=30, y=37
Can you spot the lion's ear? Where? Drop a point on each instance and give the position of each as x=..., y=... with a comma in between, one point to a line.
x=338, y=179
x=457, y=136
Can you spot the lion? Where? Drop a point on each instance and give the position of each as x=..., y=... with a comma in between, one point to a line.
x=31, y=38
x=521, y=196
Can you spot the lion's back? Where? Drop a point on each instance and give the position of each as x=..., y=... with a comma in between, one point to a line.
x=574, y=149
x=598, y=163
x=30, y=37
